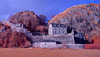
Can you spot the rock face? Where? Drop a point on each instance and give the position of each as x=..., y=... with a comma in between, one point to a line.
x=83, y=18
x=28, y=18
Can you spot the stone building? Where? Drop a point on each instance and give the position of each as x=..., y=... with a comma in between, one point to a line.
x=57, y=29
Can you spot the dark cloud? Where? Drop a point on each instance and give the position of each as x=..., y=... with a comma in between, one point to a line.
x=46, y=7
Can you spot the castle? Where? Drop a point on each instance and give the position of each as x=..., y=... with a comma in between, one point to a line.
x=57, y=33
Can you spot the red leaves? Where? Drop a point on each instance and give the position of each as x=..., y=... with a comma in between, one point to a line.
x=29, y=19
x=96, y=39
x=1, y=42
x=18, y=40
x=92, y=46
x=12, y=39
x=42, y=29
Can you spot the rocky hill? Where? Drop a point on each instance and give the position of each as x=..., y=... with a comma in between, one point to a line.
x=11, y=34
x=29, y=19
x=83, y=18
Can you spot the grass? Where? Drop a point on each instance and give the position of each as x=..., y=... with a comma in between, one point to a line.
x=39, y=52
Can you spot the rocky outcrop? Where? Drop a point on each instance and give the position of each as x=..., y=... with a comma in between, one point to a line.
x=83, y=18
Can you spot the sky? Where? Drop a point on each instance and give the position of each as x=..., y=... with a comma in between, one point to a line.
x=46, y=7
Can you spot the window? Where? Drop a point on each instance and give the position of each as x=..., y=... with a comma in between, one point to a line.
x=59, y=25
x=59, y=32
x=55, y=27
x=55, y=32
x=63, y=28
x=63, y=32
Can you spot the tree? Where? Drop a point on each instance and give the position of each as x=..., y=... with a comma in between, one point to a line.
x=10, y=38
x=42, y=29
x=43, y=18
x=28, y=18
x=53, y=16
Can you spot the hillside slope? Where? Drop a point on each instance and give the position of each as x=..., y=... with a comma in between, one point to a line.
x=83, y=18
x=28, y=18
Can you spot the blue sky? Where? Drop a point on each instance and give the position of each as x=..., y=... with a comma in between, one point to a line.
x=46, y=7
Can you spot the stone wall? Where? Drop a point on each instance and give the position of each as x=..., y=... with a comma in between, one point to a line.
x=44, y=44
x=64, y=39
x=68, y=46
x=75, y=46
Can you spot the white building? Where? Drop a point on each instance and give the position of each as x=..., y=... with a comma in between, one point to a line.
x=57, y=29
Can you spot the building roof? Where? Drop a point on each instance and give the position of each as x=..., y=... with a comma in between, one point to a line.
x=58, y=25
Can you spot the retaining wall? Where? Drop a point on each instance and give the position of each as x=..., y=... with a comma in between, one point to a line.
x=64, y=39
x=68, y=46
x=75, y=46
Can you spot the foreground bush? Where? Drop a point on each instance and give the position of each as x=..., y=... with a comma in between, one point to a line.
x=9, y=38
x=92, y=46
